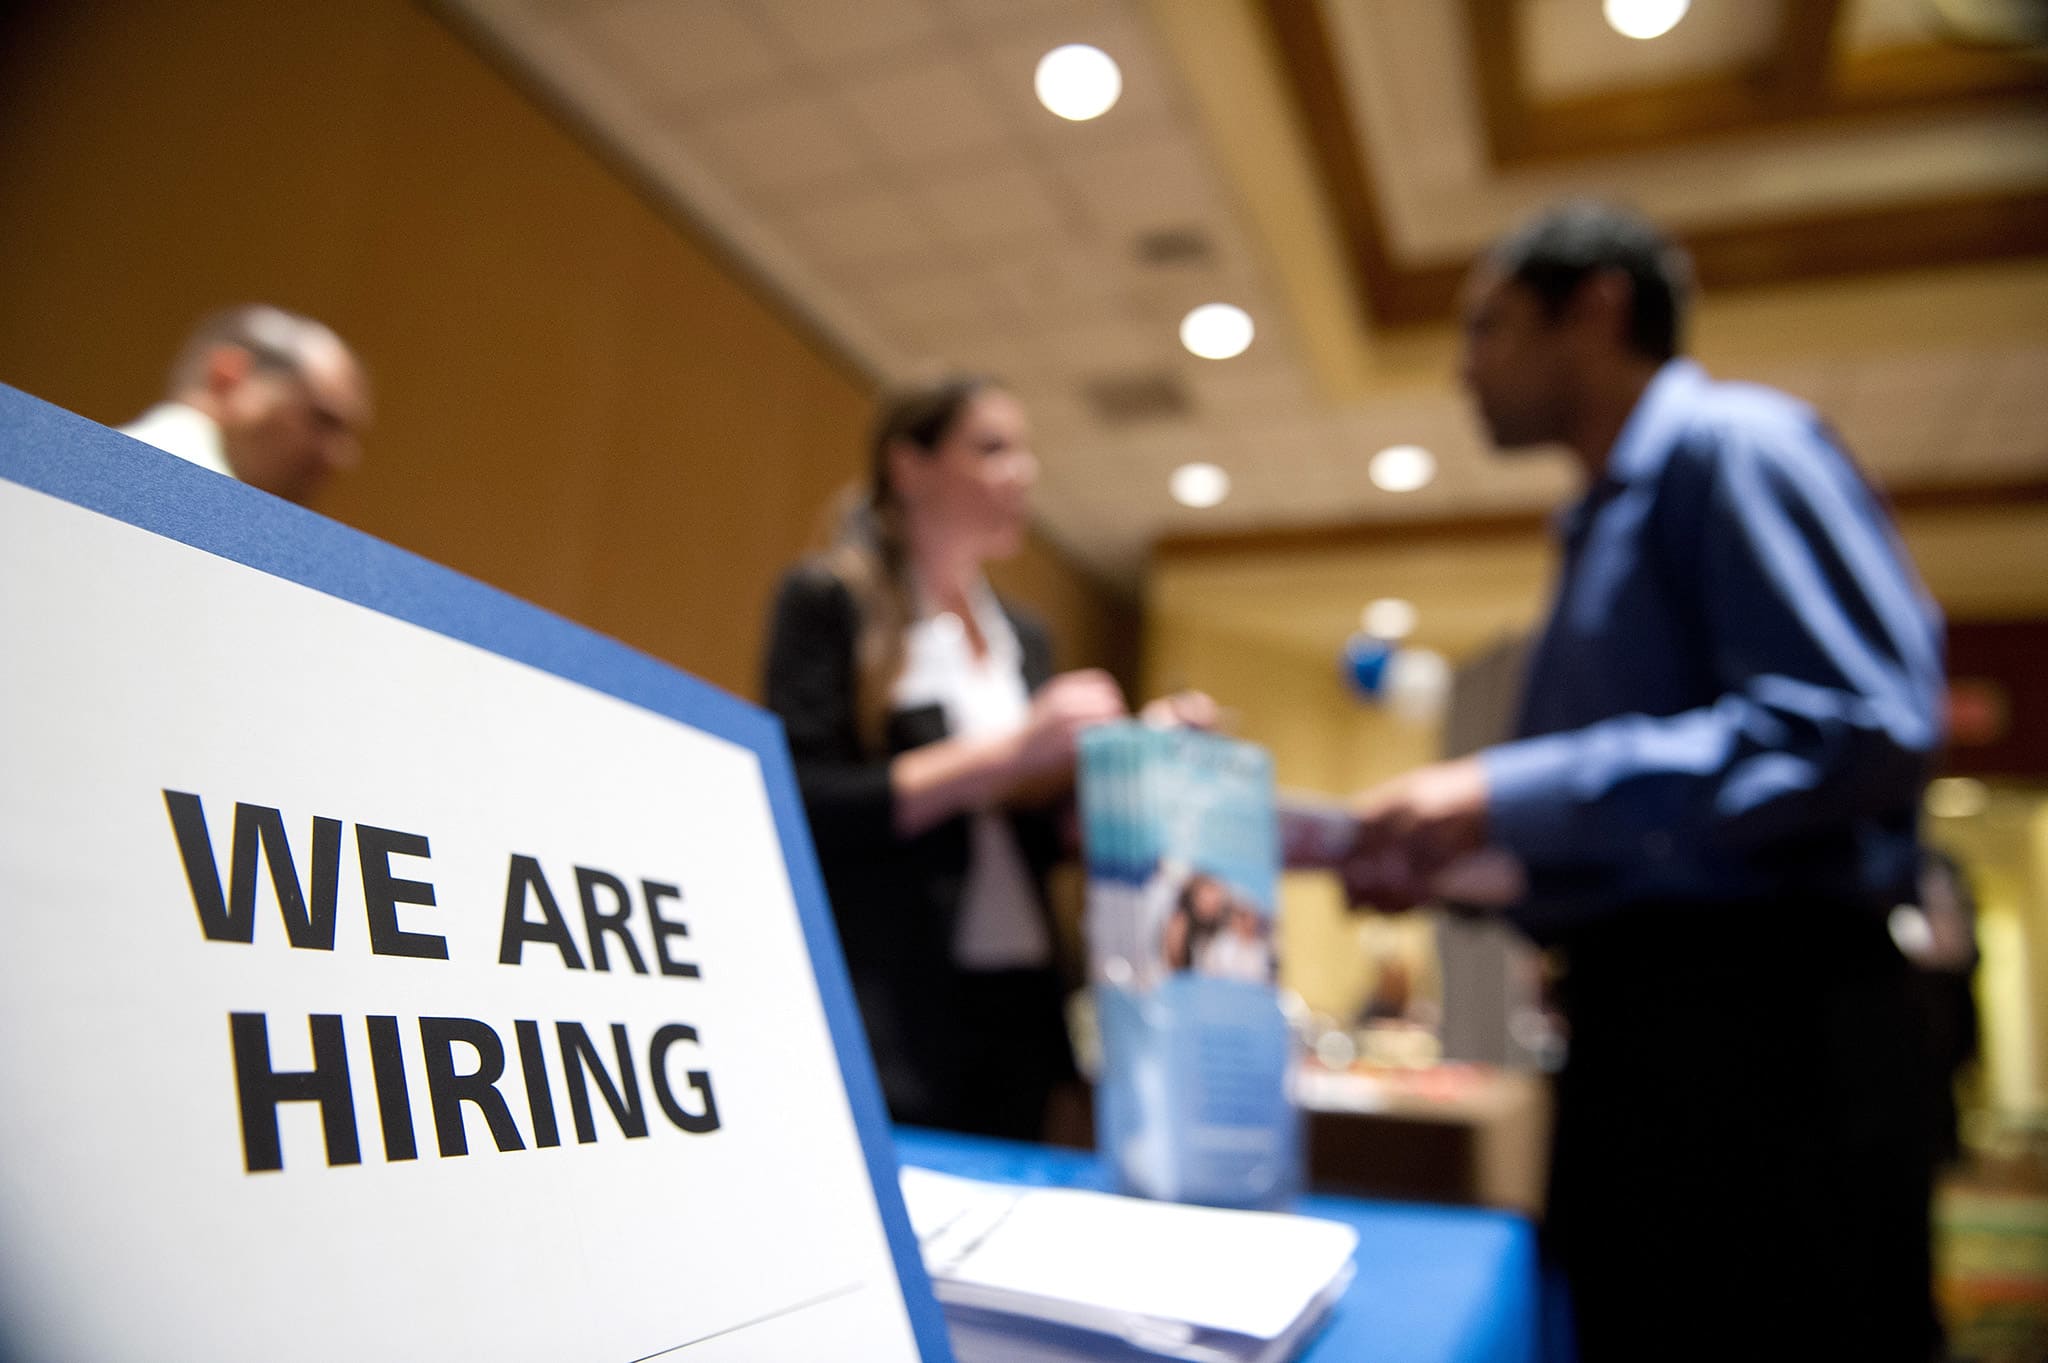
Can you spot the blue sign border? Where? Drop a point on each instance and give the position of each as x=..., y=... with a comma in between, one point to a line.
x=50, y=450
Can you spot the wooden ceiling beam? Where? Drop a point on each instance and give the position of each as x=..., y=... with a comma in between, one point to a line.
x=1994, y=225
x=1494, y=30
x=1393, y=294
x=1799, y=74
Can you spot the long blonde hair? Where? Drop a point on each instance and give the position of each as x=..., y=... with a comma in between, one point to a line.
x=870, y=553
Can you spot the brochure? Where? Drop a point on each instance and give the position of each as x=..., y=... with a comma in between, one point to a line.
x=1183, y=862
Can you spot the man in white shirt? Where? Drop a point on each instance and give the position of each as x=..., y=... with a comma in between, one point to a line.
x=266, y=396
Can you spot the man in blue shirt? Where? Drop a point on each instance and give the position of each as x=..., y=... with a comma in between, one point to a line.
x=1728, y=721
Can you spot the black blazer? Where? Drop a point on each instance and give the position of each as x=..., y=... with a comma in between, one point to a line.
x=895, y=899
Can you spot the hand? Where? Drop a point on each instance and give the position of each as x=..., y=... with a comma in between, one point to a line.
x=1411, y=829
x=1491, y=878
x=1063, y=707
x=1025, y=767
x=1182, y=710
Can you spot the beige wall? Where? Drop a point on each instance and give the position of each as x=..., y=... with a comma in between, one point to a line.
x=578, y=401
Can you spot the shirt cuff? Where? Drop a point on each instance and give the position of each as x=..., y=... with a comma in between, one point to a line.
x=1530, y=808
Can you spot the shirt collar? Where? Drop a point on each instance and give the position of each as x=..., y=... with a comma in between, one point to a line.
x=1644, y=444
x=987, y=611
x=1646, y=437
x=185, y=431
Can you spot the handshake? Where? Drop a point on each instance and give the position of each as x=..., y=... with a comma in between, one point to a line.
x=1419, y=838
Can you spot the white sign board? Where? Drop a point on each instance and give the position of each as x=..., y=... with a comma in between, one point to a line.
x=373, y=993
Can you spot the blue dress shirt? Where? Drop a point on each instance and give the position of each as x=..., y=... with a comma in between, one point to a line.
x=1737, y=697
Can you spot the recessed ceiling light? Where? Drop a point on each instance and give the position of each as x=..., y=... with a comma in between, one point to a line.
x=1199, y=485
x=1644, y=18
x=1388, y=618
x=1402, y=468
x=1078, y=82
x=1216, y=331
x=1957, y=797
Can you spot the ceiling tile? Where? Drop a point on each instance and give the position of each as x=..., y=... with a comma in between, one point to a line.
x=1291, y=447
x=1093, y=349
x=1059, y=288
x=786, y=144
x=1152, y=182
x=931, y=111
x=976, y=345
x=992, y=204
x=996, y=14
x=684, y=51
x=863, y=228
x=1286, y=466
x=1163, y=301
x=1152, y=452
x=831, y=32
x=1062, y=433
x=1435, y=421
x=938, y=298
x=1252, y=387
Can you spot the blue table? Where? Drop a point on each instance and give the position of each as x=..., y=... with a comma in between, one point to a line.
x=1435, y=1284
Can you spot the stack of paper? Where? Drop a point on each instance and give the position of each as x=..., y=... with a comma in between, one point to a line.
x=1056, y=1274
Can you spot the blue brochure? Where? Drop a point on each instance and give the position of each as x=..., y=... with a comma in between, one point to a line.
x=1183, y=871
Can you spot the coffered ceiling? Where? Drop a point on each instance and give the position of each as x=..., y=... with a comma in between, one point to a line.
x=1864, y=182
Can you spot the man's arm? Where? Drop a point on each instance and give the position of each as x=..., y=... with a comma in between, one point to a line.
x=1824, y=644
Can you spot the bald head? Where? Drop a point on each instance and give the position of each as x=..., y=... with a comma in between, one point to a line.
x=290, y=399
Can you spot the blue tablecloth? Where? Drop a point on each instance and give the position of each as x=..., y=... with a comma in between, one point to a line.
x=1434, y=1285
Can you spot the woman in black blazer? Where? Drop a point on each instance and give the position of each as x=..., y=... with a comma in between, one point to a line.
x=933, y=744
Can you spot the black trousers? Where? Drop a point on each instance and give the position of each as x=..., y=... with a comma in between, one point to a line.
x=1014, y=1051
x=1742, y=1154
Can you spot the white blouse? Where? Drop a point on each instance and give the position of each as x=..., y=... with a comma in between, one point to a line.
x=1000, y=925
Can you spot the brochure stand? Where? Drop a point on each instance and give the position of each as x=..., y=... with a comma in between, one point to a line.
x=395, y=970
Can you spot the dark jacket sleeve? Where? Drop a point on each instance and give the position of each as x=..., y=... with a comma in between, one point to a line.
x=809, y=683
